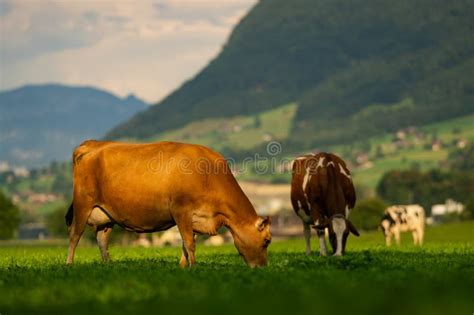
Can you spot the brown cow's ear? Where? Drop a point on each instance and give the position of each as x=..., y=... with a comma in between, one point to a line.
x=262, y=223
x=352, y=228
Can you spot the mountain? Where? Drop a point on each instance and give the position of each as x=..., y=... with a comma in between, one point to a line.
x=354, y=68
x=41, y=123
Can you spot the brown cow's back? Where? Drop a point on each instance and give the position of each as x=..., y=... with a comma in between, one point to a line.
x=324, y=178
x=331, y=185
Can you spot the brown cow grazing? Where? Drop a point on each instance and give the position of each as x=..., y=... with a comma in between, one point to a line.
x=152, y=187
x=322, y=195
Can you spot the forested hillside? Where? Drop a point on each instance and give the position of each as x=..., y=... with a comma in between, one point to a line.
x=355, y=69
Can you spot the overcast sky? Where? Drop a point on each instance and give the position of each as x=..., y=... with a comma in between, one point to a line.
x=146, y=47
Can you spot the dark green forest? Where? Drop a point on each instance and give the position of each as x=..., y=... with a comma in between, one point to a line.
x=355, y=68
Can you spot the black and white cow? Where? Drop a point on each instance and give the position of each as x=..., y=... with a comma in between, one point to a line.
x=403, y=218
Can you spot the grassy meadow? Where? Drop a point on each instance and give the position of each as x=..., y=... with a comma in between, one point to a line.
x=240, y=132
x=371, y=279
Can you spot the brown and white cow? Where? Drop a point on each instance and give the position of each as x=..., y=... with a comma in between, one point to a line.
x=322, y=195
x=403, y=218
x=152, y=187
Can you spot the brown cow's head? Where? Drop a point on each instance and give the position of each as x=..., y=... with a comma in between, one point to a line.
x=252, y=241
x=339, y=228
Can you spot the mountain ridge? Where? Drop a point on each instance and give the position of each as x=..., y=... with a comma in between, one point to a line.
x=41, y=123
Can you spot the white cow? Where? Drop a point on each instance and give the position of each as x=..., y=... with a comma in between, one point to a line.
x=404, y=218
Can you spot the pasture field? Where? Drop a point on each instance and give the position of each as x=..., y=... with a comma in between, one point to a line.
x=370, y=279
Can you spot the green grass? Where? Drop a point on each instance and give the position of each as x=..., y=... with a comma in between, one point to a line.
x=370, y=279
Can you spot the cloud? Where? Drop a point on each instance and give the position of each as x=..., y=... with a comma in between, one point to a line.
x=5, y=7
x=148, y=49
x=31, y=29
x=216, y=12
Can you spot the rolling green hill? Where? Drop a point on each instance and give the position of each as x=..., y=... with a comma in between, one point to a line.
x=238, y=132
x=355, y=68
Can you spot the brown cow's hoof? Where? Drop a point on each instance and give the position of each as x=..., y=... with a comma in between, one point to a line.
x=183, y=262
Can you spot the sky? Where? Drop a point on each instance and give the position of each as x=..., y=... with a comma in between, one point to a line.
x=147, y=47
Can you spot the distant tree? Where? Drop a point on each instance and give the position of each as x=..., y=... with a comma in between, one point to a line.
x=468, y=213
x=363, y=191
x=62, y=184
x=34, y=173
x=462, y=159
x=365, y=146
x=9, y=218
x=399, y=186
x=54, y=166
x=55, y=221
x=367, y=213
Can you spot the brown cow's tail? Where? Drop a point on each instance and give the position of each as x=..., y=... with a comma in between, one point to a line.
x=69, y=215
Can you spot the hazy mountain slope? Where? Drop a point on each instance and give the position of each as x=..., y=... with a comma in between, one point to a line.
x=335, y=58
x=41, y=123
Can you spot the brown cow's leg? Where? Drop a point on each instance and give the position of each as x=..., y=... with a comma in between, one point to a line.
x=102, y=237
x=307, y=238
x=81, y=214
x=184, y=222
x=74, y=238
x=322, y=243
x=190, y=246
x=185, y=228
x=75, y=234
x=184, y=257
